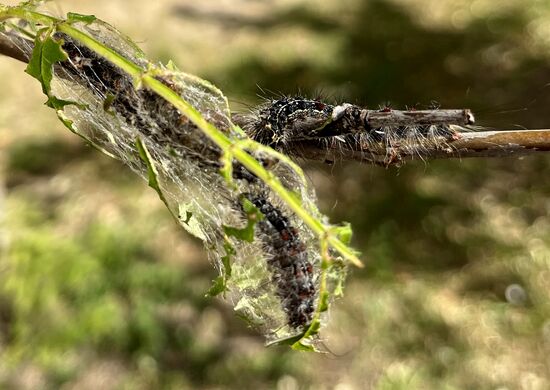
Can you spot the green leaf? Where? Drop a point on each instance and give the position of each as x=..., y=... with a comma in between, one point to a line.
x=226, y=260
x=247, y=233
x=73, y=17
x=46, y=52
x=300, y=346
x=240, y=234
x=344, y=233
x=188, y=215
x=151, y=169
x=249, y=208
x=287, y=341
x=218, y=286
x=34, y=67
x=59, y=104
x=108, y=102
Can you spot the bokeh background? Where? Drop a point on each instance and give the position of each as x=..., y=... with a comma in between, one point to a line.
x=99, y=288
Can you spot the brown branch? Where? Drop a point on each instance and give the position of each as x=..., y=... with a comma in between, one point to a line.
x=499, y=143
x=469, y=144
x=503, y=143
x=9, y=47
x=396, y=118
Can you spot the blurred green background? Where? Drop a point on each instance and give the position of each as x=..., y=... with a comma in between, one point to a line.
x=100, y=289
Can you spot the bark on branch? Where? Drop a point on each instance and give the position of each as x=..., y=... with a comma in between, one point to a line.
x=9, y=47
x=499, y=143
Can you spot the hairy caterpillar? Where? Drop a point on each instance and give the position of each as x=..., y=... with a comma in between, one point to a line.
x=287, y=121
x=293, y=271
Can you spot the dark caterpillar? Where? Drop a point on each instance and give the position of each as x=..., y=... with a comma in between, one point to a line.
x=291, y=269
x=286, y=122
x=283, y=120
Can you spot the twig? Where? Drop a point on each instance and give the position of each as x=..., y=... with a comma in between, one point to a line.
x=498, y=143
x=9, y=48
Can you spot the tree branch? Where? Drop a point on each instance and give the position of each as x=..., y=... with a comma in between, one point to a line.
x=10, y=48
x=498, y=143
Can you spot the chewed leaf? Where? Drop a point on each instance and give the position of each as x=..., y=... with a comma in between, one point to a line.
x=290, y=341
x=151, y=169
x=59, y=104
x=218, y=286
x=189, y=221
x=303, y=344
x=187, y=217
x=344, y=233
x=253, y=217
x=47, y=51
x=220, y=283
x=337, y=273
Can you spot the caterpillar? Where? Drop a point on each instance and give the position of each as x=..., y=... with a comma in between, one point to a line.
x=285, y=123
x=292, y=270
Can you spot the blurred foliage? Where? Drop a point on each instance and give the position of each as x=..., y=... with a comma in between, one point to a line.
x=99, y=289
